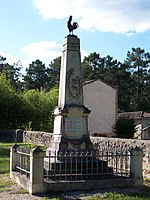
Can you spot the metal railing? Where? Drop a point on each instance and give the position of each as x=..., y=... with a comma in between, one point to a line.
x=82, y=165
x=100, y=164
x=118, y=160
x=23, y=161
x=59, y=167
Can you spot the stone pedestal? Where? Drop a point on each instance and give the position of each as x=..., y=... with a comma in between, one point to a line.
x=70, y=116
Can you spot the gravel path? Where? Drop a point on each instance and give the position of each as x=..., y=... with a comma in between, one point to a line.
x=11, y=191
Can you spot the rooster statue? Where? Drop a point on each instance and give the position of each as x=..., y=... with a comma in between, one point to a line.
x=70, y=26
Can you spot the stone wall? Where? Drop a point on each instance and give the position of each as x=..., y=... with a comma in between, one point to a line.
x=37, y=137
x=127, y=143
x=11, y=135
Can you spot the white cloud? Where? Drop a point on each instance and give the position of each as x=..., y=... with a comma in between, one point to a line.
x=45, y=51
x=121, y=16
x=9, y=58
x=83, y=54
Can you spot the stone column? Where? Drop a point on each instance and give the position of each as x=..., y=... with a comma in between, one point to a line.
x=70, y=116
x=14, y=159
x=136, y=165
x=36, y=184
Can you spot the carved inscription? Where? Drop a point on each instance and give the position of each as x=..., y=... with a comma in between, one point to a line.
x=75, y=126
x=74, y=84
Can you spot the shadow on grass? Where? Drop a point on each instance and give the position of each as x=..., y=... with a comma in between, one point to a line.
x=142, y=193
x=4, y=165
x=4, y=152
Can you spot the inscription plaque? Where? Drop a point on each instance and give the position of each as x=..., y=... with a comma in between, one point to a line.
x=75, y=126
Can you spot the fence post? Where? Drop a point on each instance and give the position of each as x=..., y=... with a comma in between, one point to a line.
x=36, y=170
x=14, y=159
x=136, y=165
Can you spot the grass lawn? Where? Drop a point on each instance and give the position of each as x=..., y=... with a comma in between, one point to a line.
x=4, y=157
x=6, y=183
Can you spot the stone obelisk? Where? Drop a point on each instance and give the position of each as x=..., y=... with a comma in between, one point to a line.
x=70, y=116
x=70, y=133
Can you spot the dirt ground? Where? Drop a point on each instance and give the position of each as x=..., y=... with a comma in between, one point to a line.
x=9, y=190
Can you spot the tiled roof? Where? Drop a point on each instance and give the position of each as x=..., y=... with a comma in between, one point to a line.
x=137, y=114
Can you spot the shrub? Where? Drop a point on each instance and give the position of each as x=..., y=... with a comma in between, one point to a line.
x=124, y=128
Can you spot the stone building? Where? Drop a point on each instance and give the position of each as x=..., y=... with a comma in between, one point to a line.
x=142, y=121
x=101, y=99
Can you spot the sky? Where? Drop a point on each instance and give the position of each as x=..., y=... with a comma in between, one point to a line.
x=35, y=29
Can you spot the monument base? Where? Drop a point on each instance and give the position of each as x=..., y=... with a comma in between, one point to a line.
x=67, y=167
x=71, y=130
x=62, y=144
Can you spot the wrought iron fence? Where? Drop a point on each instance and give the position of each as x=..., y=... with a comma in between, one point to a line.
x=100, y=164
x=82, y=165
x=23, y=161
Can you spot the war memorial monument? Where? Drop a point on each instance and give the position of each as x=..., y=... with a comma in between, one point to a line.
x=70, y=135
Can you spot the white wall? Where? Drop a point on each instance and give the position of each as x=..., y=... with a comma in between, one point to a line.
x=101, y=99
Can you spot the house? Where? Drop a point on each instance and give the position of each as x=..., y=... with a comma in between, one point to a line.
x=101, y=99
x=142, y=122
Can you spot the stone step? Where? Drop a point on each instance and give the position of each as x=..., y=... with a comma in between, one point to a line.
x=75, y=168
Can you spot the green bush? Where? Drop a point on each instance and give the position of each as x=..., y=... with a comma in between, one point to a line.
x=124, y=128
x=12, y=107
x=19, y=109
x=39, y=106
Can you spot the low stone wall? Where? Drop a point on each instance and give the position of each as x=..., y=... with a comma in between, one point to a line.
x=42, y=138
x=37, y=137
x=35, y=182
x=11, y=135
x=127, y=143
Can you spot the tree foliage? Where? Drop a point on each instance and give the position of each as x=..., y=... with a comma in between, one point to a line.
x=18, y=110
x=40, y=77
x=12, y=72
x=12, y=107
x=36, y=76
x=32, y=99
x=138, y=62
x=54, y=71
x=40, y=106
